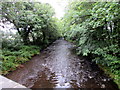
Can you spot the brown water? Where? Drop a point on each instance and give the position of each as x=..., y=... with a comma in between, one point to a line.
x=58, y=67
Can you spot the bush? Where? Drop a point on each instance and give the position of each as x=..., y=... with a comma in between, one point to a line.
x=11, y=59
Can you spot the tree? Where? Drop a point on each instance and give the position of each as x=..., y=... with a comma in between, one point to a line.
x=30, y=19
x=95, y=28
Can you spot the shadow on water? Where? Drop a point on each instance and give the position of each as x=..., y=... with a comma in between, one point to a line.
x=58, y=67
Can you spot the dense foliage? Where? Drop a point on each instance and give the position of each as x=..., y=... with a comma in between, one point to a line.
x=95, y=28
x=36, y=28
x=14, y=52
x=33, y=21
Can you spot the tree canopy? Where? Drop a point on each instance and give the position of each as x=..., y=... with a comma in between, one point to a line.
x=33, y=21
x=95, y=28
x=36, y=29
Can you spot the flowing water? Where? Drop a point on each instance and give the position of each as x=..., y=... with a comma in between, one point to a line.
x=58, y=67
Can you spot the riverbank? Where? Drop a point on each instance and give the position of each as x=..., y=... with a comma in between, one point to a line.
x=107, y=71
x=111, y=69
x=13, y=59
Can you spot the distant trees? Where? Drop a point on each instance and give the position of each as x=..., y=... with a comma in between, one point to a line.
x=95, y=28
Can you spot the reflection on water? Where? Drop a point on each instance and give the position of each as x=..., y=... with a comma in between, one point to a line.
x=58, y=67
x=44, y=81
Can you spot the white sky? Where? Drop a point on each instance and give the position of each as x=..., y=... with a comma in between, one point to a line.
x=58, y=5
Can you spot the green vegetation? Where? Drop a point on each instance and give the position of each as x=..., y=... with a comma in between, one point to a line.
x=13, y=59
x=14, y=52
x=95, y=27
x=36, y=29
x=33, y=21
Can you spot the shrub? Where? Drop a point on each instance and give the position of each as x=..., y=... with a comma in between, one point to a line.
x=11, y=59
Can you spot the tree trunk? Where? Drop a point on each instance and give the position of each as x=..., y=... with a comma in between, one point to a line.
x=44, y=37
x=25, y=37
x=26, y=40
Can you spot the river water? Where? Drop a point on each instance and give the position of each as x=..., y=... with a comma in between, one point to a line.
x=58, y=67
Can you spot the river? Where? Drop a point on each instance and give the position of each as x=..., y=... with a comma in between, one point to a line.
x=58, y=67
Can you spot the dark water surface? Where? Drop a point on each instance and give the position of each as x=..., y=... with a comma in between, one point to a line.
x=58, y=67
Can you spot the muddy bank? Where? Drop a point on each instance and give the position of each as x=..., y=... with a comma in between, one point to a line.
x=58, y=67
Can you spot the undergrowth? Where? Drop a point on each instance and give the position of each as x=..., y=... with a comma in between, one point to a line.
x=10, y=59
